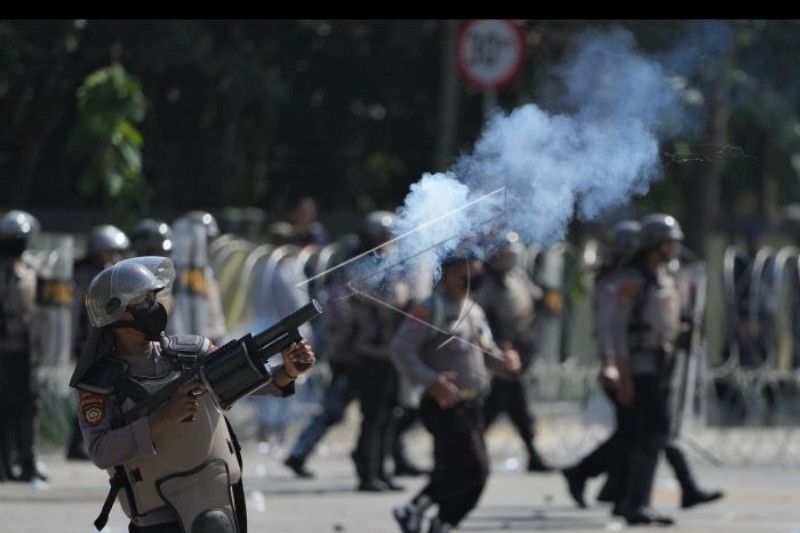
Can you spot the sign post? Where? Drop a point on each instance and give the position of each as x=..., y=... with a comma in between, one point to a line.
x=490, y=55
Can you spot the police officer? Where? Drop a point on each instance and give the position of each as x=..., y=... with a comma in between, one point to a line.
x=446, y=348
x=614, y=376
x=105, y=246
x=152, y=237
x=215, y=328
x=508, y=297
x=691, y=493
x=158, y=461
x=339, y=329
x=377, y=379
x=18, y=391
x=648, y=326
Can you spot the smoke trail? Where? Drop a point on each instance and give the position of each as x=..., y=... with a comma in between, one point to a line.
x=593, y=156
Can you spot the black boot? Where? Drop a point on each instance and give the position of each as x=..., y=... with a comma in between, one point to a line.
x=372, y=485
x=30, y=472
x=691, y=494
x=575, y=484
x=645, y=516
x=635, y=508
x=698, y=497
x=390, y=484
x=297, y=465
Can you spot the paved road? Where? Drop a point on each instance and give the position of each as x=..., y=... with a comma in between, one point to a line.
x=760, y=499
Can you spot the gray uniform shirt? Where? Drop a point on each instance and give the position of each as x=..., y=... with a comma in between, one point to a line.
x=17, y=304
x=109, y=446
x=376, y=324
x=422, y=353
x=647, y=319
x=509, y=306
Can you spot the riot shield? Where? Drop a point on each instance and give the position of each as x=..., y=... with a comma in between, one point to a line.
x=190, y=293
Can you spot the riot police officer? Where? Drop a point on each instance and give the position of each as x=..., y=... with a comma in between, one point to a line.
x=614, y=375
x=18, y=391
x=105, y=246
x=446, y=348
x=376, y=377
x=155, y=461
x=339, y=331
x=508, y=297
x=152, y=237
x=648, y=325
x=196, y=277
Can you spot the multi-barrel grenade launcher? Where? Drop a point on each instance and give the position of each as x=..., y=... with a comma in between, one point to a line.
x=239, y=367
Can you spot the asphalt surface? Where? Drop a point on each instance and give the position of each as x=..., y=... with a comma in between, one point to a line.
x=758, y=498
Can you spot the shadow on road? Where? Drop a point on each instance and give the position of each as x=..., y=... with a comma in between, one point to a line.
x=535, y=518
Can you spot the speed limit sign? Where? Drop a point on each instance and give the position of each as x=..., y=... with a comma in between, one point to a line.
x=491, y=53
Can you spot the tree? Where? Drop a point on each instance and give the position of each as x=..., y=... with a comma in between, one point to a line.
x=108, y=144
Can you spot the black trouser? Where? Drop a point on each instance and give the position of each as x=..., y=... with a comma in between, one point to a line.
x=680, y=466
x=509, y=396
x=611, y=456
x=651, y=425
x=18, y=401
x=461, y=465
x=377, y=394
x=338, y=395
x=403, y=419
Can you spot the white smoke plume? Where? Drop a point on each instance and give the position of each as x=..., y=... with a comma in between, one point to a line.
x=603, y=149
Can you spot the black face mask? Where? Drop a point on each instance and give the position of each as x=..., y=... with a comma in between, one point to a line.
x=151, y=321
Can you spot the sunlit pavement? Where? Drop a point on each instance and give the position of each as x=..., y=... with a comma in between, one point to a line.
x=759, y=499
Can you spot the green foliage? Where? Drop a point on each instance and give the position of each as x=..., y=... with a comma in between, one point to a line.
x=110, y=105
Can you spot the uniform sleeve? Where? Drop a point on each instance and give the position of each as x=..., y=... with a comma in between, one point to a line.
x=406, y=346
x=605, y=307
x=109, y=447
x=271, y=389
x=622, y=315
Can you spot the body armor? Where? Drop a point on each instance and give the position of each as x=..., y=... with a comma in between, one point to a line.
x=196, y=463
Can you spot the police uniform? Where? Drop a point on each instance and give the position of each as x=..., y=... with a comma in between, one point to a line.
x=18, y=389
x=187, y=477
x=377, y=380
x=183, y=475
x=341, y=390
x=508, y=300
x=649, y=323
x=461, y=465
x=105, y=245
x=610, y=456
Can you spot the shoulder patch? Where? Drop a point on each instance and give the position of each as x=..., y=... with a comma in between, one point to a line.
x=93, y=407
